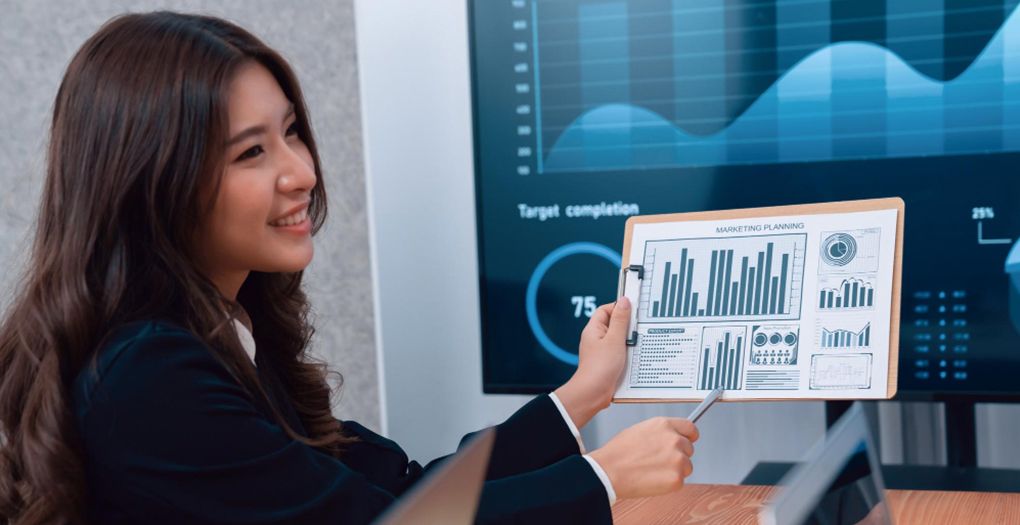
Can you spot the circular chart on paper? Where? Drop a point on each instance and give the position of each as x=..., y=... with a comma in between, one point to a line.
x=839, y=249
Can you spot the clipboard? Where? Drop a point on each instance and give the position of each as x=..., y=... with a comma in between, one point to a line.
x=635, y=274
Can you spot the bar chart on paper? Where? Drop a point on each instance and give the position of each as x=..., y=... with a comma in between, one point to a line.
x=745, y=302
x=722, y=357
x=846, y=294
x=708, y=279
x=841, y=338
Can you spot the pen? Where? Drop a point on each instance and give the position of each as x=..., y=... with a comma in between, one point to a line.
x=709, y=400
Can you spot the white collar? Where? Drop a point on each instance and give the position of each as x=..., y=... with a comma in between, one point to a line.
x=247, y=340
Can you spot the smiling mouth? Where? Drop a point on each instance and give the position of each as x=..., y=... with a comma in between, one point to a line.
x=292, y=219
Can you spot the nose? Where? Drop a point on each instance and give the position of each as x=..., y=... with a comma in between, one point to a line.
x=297, y=171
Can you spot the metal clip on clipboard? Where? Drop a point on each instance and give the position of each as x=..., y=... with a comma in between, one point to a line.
x=631, y=276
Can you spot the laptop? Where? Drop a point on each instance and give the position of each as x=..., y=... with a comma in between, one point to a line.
x=448, y=495
x=838, y=483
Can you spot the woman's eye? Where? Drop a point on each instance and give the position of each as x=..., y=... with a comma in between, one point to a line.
x=251, y=153
x=292, y=130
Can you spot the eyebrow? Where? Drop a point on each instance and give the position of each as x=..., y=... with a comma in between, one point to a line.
x=257, y=130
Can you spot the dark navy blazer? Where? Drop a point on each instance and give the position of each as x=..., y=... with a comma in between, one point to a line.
x=171, y=437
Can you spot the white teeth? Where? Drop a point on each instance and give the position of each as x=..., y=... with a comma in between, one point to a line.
x=290, y=220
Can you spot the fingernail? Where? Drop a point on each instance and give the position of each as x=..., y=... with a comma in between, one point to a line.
x=623, y=302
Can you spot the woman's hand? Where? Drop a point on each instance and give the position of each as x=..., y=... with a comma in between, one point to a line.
x=650, y=458
x=601, y=360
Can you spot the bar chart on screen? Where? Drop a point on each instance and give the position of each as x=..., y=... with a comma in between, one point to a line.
x=753, y=277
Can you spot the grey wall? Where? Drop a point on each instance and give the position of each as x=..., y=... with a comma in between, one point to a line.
x=37, y=39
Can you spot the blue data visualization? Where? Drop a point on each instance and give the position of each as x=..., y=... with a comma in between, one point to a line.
x=587, y=112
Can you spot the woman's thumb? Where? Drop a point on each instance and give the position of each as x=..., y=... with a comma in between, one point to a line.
x=620, y=321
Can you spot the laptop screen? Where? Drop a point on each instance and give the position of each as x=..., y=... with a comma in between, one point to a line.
x=853, y=497
x=839, y=481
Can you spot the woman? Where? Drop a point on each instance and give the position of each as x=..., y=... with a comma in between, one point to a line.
x=153, y=365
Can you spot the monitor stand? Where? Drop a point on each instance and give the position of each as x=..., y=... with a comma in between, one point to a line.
x=961, y=472
x=961, y=429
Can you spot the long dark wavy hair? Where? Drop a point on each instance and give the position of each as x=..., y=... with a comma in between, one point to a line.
x=137, y=139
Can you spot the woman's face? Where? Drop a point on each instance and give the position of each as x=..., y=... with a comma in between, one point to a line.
x=259, y=220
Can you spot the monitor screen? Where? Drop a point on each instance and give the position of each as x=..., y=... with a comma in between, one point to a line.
x=589, y=111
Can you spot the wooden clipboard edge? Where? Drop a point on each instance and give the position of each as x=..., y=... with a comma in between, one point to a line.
x=821, y=208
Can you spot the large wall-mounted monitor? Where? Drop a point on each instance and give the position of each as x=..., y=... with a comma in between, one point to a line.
x=588, y=111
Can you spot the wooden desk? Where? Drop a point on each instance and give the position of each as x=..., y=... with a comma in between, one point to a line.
x=739, y=504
